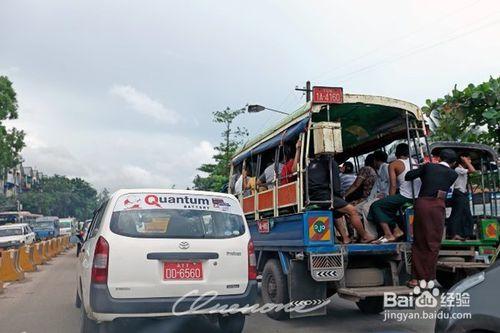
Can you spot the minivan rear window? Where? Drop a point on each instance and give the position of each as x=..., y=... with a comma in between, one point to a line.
x=177, y=223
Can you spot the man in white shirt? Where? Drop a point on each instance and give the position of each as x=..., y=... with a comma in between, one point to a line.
x=347, y=176
x=460, y=224
x=268, y=177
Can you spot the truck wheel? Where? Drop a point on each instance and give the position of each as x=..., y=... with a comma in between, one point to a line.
x=232, y=323
x=274, y=288
x=371, y=305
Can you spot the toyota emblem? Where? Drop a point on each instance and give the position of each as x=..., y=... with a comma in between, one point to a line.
x=183, y=245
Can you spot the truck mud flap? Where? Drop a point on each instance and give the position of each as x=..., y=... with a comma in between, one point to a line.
x=305, y=292
x=327, y=267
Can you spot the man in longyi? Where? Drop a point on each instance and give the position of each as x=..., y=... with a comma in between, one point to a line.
x=437, y=178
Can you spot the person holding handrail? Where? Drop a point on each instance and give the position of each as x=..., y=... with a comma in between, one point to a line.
x=289, y=170
x=460, y=223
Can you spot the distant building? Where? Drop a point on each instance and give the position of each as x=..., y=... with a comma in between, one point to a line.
x=19, y=179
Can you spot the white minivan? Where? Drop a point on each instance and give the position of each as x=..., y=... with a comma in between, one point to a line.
x=158, y=253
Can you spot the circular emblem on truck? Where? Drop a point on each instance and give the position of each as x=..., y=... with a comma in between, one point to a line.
x=183, y=245
x=319, y=226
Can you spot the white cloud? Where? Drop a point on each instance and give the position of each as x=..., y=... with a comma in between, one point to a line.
x=144, y=104
x=161, y=161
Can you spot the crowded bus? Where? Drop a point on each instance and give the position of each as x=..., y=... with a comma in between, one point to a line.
x=324, y=205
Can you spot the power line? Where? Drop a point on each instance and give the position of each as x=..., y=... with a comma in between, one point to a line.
x=393, y=40
x=415, y=51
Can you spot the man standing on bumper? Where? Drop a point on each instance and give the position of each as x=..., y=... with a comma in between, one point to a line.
x=430, y=214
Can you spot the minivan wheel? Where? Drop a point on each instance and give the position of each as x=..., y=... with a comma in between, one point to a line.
x=371, y=305
x=274, y=288
x=232, y=323
x=87, y=325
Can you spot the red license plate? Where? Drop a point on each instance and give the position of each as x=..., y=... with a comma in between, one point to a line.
x=182, y=270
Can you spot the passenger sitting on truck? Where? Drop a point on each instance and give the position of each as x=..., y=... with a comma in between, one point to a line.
x=320, y=191
x=267, y=178
x=460, y=223
x=362, y=186
x=245, y=184
x=290, y=167
x=384, y=211
x=379, y=190
x=347, y=176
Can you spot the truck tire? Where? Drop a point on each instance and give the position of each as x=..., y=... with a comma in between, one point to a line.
x=371, y=305
x=274, y=288
x=233, y=323
x=364, y=277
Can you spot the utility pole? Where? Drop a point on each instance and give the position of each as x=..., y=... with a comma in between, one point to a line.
x=307, y=90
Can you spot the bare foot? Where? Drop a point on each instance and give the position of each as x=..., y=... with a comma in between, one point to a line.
x=346, y=240
x=412, y=283
x=367, y=238
x=398, y=232
x=384, y=239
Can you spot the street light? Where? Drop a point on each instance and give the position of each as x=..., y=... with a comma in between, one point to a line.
x=258, y=108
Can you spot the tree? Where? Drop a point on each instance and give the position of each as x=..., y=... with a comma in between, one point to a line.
x=218, y=172
x=11, y=140
x=469, y=115
x=61, y=196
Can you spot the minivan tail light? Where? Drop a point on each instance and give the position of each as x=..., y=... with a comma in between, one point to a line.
x=252, y=262
x=100, y=263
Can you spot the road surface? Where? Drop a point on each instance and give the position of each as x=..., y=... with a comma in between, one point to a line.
x=44, y=302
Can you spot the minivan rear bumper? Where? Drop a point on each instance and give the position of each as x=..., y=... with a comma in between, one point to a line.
x=101, y=301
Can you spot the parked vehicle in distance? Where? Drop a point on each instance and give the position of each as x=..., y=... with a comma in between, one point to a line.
x=67, y=226
x=482, y=315
x=46, y=227
x=15, y=235
x=17, y=217
x=147, y=249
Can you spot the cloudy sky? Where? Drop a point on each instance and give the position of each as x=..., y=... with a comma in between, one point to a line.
x=121, y=93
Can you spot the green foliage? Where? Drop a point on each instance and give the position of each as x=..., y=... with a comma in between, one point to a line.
x=11, y=140
x=218, y=172
x=63, y=197
x=469, y=115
